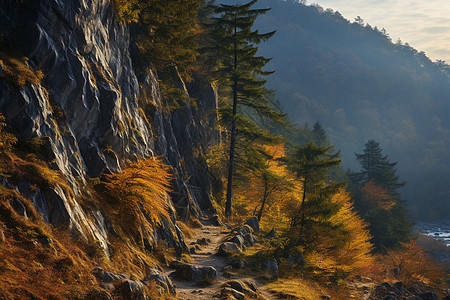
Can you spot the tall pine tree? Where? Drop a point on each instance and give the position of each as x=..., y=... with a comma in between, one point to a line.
x=311, y=164
x=375, y=191
x=167, y=33
x=233, y=49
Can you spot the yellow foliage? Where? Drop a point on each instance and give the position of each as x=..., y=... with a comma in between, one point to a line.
x=414, y=265
x=355, y=252
x=32, y=169
x=7, y=140
x=139, y=194
x=127, y=10
x=17, y=72
x=305, y=289
x=60, y=267
x=376, y=195
x=271, y=187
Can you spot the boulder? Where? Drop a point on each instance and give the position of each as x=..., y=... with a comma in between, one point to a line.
x=132, y=290
x=253, y=223
x=108, y=286
x=251, y=284
x=227, y=268
x=228, y=249
x=387, y=285
x=236, y=294
x=249, y=239
x=161, y=280
x=241, y=287
x=105, y=276
x=415, y=289
x=239, y=241
x=379, y=291
x=215, y=221
x=238, y=264
x=298, y=260
x=398, y=285
x=244, y=230
x=190, y=272
x=271, y=267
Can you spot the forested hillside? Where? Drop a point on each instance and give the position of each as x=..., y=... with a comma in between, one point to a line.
x=143, y=156
x=360, y=85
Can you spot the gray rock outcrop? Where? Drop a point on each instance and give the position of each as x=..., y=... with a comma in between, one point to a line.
x=228, y=249
x=194, y=273
x=161, y=280
x=96, y=115
x=253, y=223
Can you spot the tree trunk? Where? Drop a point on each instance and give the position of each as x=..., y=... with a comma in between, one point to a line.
x=261, y=210
x=232, y=145
x=233, y=132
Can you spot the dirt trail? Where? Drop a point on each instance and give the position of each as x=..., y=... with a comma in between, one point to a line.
x=206, y=257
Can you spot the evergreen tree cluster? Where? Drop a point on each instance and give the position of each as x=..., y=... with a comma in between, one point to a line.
x=377, y=184
x=239, y=70
x=174, y=34
x=358, y=83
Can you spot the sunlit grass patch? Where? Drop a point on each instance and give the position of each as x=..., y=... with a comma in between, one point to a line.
x=17, y=72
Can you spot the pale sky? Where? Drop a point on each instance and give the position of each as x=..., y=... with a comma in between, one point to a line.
x=424, y=25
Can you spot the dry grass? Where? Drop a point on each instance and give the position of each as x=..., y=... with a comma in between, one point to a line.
x=305, y=289
x=17, y=71
x=29, y=267
x=186, y=229
x=415, y=266
x=31, y=169
x=136, y=200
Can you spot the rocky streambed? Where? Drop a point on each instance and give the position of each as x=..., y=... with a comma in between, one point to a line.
x=439, y=230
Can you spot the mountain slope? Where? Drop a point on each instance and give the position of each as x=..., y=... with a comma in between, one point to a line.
x=359, y=85
x=94, y=115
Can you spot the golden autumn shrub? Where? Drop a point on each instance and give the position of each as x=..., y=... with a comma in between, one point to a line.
x=376, y=196
x=414, y=265
x=138, y=195
x=17, y=72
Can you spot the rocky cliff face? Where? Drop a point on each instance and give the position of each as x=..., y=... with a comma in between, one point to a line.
x=94, y=112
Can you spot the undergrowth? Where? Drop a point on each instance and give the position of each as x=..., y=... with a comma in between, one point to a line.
x=17, y=71
x=136, y=198
x=39, y=261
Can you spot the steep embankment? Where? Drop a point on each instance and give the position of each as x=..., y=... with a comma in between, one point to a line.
x=95, y=114
x=69, y=88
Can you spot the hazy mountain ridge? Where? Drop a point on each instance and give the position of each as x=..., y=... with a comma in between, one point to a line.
x=360, y=85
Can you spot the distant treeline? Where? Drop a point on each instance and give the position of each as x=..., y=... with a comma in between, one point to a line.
x=361, y=85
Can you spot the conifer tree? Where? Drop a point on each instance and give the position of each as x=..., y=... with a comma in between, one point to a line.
x=233, y=48
x=311, y=164
x=375, y=190
x=318, y=135
x=168, y=32
x=377, y=167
